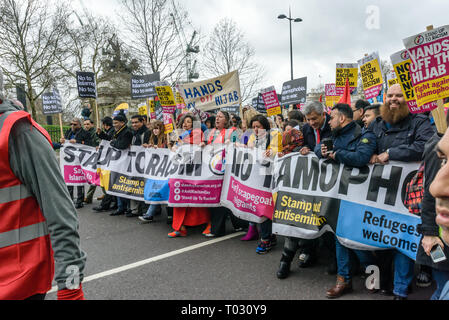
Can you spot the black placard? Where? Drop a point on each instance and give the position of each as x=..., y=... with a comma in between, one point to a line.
x=294, y=91
x=86, y=85
x=144, y=86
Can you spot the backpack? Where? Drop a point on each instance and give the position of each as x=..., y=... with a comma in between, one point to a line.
x=414, y=192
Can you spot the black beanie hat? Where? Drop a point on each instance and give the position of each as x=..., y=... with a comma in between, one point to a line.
x=121, y=117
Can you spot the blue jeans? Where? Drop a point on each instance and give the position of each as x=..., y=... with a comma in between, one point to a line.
x=152, y=209
x=366, y=258
x=441, y=278
x=403, y=274
x=123, y=204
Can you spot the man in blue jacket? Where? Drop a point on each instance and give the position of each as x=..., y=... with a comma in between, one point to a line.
x=352, y=147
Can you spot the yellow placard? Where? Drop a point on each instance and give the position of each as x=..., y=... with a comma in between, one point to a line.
x=143, y=111
x=371, y=74
x=166, y=96
x=432, y=90
x=343, y=73
x=274, y=111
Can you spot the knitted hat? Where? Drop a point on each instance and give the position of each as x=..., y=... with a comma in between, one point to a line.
x=121, y=117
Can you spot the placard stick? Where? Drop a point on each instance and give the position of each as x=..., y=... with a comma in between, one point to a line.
x=438, y=114
x=97, y=114
x=60, y=125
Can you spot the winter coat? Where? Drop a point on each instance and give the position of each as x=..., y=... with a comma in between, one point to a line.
x=352, y=146
x=428, y=226
x=405, y=139
x=309, y=134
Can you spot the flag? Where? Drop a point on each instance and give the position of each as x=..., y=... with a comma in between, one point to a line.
x=346, y=97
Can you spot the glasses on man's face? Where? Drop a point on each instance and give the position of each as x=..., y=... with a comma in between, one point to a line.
x=74, y=124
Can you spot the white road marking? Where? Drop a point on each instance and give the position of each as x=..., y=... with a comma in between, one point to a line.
x=154, y=259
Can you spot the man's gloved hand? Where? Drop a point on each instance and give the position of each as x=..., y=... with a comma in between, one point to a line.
x=75, y=294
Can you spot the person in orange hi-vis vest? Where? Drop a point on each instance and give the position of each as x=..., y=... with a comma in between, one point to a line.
x=38, y=221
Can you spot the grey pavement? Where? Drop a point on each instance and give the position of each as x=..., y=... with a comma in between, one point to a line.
x=225, y=270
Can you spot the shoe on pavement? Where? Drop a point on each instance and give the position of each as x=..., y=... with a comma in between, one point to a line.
x=146, y=219
x=100, y=198
x=305, y=260
x=284, y=270
x=176, y=234
x=341, y=287
x=117, y=213
x=78, y=206
x=264, y=247
x=423, y=279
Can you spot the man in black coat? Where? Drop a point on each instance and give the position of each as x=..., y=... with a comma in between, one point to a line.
x=140, y=133
x=316, y=129
x=76, y=134
x=121, y=139
x=108, y=202
x=401, y=136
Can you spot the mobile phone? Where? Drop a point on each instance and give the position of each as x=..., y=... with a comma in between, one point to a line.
x=437, y=254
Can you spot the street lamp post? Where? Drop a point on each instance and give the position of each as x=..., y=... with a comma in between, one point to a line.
x=283, y=16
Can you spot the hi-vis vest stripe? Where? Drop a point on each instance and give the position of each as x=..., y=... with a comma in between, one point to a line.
x=23, y=234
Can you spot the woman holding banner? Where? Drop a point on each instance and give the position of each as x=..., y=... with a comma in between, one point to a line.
x=154, y=138
x=183, y=217
x=270, y=141
x=222, y=134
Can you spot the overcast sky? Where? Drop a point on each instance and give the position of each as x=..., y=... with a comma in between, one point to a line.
x=332, y=31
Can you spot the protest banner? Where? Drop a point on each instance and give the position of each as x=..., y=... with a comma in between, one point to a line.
x=151, y=108
x=180, y=103
x=401, y=66
x=392, y=79
x=271, y=102
x=199, y=179
x=345, y=71
x=142, y=87
x=142, y=109
x=429, y=69
x=158, y=109
x=86, y=85
x=247, y=184
x=159, y=167
x=362, y=206
x=371, y=72
x=294, y=91
x=168, y=103
x=51, y=102
x=223, y=91
x=331, y=95
x=78, y=164
x=258, y=104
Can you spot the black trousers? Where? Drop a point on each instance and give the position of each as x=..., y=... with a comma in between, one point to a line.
x=79, y=194
x=218, y=221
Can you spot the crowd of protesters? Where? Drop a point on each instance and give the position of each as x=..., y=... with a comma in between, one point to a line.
x=355, y=135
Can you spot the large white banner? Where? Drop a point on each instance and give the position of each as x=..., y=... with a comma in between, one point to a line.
x=223, y=91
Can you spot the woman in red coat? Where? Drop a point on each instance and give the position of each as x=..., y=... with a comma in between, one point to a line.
x=190, y=217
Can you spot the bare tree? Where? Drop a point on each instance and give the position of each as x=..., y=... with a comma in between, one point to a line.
x=152, y=35
x=31, y=37
x=87, y=36
x=226, y=51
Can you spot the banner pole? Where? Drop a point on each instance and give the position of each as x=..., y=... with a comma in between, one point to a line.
x=60, y=125
x=97, y=114
x=438, y=114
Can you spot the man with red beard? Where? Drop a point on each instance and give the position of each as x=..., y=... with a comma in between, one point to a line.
x=440, y=190
x=401, y=136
